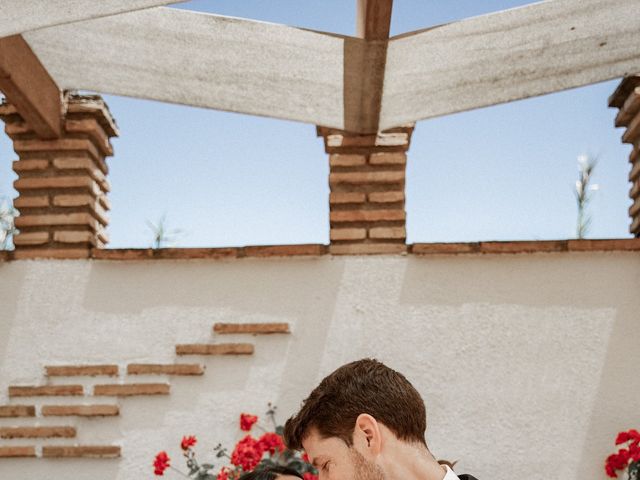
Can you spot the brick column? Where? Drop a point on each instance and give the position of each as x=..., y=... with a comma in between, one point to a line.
x=627, y=99
x=62, y=183
x=367, y=178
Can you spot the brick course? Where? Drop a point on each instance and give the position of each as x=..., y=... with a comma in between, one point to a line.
x=80, y=370
x=131, y=389
x=46, y=390
x=367, y=248
x=37, y=432
x=12, y=411
x=80, y=410
x=159, y=369
x=251, y=328
x=525, y=247
x=17, y=452
x=81, y=451
x=215, y=349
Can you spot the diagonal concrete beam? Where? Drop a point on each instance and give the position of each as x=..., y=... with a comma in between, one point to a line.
x=533, y=50
x=361, y=85
x=203, y=60
x=24, y=15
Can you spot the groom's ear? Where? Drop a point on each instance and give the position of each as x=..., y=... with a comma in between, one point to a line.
x=367, y=435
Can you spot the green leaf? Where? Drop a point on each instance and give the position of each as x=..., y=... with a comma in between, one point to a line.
x=266, y=462
x=297, y=465
x=288, y=454
x=204, y=476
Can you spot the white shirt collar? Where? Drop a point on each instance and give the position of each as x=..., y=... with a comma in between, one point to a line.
x=450, y=475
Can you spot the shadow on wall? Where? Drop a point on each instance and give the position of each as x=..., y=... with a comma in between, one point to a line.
x=9, y=298
x=117, y=309
x=536, y=280
x=271, y=287
x=617, y=402
x=563, y=295
x=512, y=353
x=45, y=468
x=268, y=286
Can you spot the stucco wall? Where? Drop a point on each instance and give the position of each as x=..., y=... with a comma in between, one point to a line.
x=528, y=363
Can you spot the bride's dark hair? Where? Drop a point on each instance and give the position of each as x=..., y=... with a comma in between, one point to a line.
x=269, y=473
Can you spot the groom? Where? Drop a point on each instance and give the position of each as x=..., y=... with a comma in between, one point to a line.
x=365, y=421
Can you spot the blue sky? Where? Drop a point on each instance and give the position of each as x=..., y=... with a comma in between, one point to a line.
x=499, y=173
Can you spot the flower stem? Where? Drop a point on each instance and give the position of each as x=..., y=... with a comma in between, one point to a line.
x=261, y=428
x=176, y=470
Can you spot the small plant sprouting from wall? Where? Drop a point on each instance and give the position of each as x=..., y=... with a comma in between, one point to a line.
x=583, y=192
x=163, y=237
x=8, y=214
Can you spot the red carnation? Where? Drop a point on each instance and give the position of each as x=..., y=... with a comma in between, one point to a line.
x=247, y=421
x=631, y=454
x=271, y=442
x=309, y=476
x=622, y=438
x=608, y=468
x=188, y=442
x=248, y=453
x=623, y=457
x=224, y=474
x=634, y=452
x=617, y=461
x=161, y=463
x=305, y=458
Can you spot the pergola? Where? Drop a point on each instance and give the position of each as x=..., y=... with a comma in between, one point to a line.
x=362, y=84
x=351, y=87
x=90, y=352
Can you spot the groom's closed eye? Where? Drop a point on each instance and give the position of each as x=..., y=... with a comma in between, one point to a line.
x=319, y=462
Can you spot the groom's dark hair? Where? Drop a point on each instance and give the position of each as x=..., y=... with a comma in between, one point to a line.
x=365, y=386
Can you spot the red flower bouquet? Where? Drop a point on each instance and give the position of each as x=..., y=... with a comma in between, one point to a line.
x=248, y=454
x=627, y=457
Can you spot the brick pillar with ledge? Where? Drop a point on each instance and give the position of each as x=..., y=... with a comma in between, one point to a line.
x=626, y=98
x=62, y=185
x=367, y=180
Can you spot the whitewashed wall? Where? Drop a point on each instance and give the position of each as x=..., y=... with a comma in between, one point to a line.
x=528, y=363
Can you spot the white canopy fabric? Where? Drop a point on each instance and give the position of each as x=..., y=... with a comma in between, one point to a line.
x=511, y=55
x=19, y=16
x=202, y=60
x=285, y=72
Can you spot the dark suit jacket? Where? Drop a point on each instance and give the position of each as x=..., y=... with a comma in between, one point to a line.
x=467, y=477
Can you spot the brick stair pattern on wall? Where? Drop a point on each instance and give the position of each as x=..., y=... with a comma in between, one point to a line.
x=100, y=409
